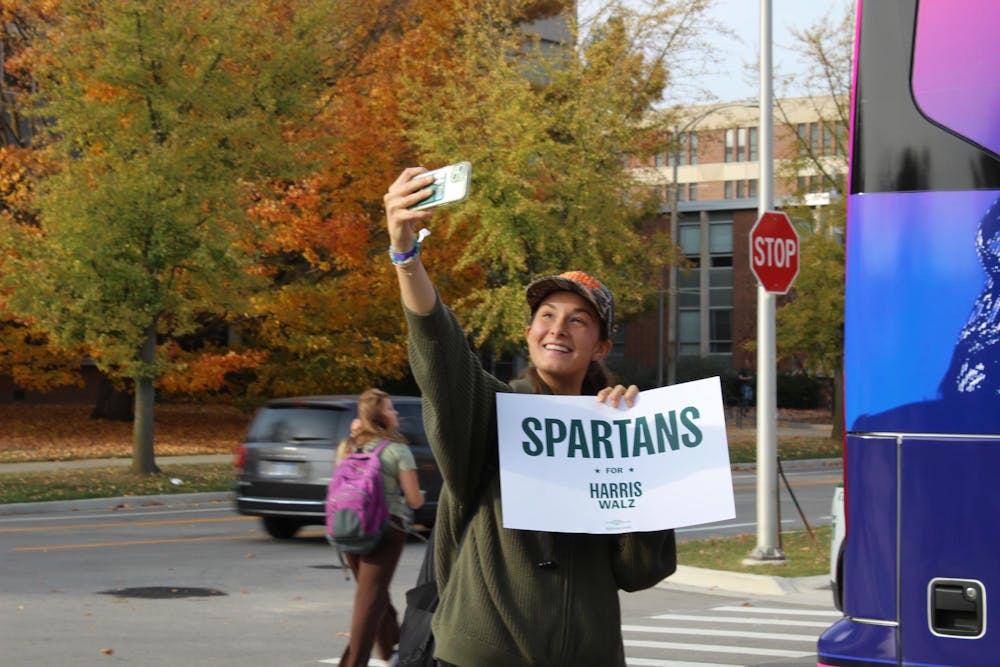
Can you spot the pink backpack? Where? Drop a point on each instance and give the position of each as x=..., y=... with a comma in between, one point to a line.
x=356, y=511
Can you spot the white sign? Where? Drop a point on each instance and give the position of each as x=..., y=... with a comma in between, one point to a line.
x=569, y=464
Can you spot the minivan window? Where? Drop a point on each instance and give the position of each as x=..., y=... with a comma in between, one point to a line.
x=299, y=424
x=411, y=422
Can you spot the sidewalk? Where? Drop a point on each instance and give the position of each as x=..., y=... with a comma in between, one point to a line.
x=813, y=590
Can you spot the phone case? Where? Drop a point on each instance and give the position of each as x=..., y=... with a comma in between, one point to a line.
x=451, y=185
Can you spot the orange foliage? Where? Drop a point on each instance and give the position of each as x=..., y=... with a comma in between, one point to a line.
x=204, y=371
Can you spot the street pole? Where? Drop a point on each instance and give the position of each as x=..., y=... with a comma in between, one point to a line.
x=672, y=294
x=767, y=395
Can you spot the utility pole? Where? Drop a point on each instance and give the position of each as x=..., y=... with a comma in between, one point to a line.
x=767, y=393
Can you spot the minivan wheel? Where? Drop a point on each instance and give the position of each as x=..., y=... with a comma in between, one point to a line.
x=280, y=528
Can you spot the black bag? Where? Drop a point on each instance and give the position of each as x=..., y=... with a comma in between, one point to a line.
x=416, y=641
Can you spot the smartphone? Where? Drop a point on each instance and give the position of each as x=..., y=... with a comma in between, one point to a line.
x=451, y=184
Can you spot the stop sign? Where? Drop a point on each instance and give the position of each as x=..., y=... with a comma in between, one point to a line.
x=774, y=251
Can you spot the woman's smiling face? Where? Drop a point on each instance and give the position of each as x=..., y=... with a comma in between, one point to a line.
x=564, y=337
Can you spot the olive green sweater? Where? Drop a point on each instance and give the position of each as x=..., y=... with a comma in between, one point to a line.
x=498, y=608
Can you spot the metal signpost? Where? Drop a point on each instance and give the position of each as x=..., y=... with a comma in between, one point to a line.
x=774, y=260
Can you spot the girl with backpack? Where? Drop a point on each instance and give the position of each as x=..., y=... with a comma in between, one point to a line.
x=514, y=598
x=374, y=622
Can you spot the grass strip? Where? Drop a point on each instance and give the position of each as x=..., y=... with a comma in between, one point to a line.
x=30, y=487
x=805, y=556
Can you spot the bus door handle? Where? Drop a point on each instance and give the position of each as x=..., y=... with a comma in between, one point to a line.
x=956, y=607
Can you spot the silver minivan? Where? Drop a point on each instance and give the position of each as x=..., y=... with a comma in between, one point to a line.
x=285, y=461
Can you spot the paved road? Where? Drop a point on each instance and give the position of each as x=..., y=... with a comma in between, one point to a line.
x=195, y=584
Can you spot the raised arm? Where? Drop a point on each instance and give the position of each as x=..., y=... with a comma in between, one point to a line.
x=415, y=286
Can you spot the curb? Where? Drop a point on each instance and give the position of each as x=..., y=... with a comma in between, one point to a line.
x=794, y=464
x=741, y=582
x=119, y=503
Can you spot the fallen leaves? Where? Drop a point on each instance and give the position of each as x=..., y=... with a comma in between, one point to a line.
x=66, y=432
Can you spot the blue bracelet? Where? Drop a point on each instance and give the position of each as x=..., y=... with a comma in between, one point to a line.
x=405, y=258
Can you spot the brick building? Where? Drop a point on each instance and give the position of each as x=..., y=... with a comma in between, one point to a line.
x=714, y=160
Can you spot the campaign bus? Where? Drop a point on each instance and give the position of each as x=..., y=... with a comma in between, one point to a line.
x=919, y=569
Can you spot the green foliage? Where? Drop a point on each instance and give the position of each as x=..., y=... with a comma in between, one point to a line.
x=163, y=118
x=548, y=152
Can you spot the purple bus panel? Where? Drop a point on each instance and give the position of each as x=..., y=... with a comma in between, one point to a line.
x=949, y=551
x=870, y=550
x=869, y=629
x=843, y=644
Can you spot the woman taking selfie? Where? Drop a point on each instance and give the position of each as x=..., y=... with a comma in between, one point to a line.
x=514, y=598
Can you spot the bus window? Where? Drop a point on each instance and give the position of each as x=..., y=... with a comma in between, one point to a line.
x=955, y=55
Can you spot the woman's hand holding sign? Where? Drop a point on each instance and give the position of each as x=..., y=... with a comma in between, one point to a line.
x=613, y=395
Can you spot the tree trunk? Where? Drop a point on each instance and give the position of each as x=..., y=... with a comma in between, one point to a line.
x=143, y=460
x=112, y=403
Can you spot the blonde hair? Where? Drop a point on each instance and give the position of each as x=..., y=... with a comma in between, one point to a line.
x=371, y=423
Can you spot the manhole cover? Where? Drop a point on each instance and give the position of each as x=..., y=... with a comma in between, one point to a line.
x=163, y=592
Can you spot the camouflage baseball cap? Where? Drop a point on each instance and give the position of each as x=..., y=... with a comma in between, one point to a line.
x=591, y=289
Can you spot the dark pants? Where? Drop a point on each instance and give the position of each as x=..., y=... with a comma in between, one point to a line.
x=374, y=622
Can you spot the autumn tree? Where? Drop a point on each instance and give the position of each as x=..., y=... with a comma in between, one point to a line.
x=165, y=119
x=547, y=127
x=327, y=314
x=329, y=317
x=811, y=323
x=27, y=354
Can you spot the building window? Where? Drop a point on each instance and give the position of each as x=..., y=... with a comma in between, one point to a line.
x=689, y=237
x=692, y=191
x=659, y=160
x=739, y=189
x=752, y=142
x=720, y=238
x=685, y=150
x=719, y=337
x=730, y=144
x=741, y=144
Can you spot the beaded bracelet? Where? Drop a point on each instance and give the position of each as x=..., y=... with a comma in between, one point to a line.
x=405, y=258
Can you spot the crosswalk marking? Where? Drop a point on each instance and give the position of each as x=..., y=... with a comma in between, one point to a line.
x=715, y=648
x=653, y=662
x=791, y=623
x=715, y=632
x=778, y=610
